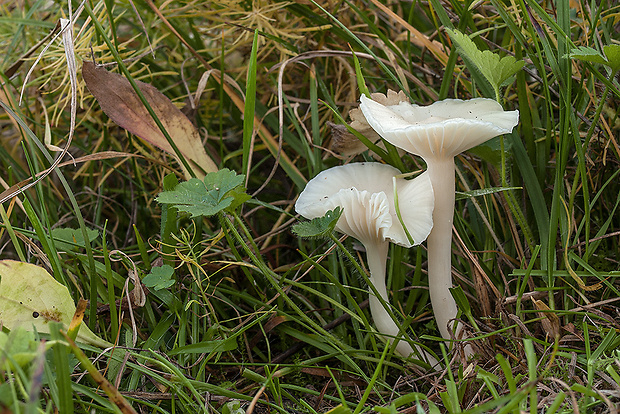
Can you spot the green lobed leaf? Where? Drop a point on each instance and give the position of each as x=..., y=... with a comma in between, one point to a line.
x=222, y=182
x=218, y=191
x=319, y=226
x=497, y=71
x=611, y=57
x=239, y=196
x=193, y=197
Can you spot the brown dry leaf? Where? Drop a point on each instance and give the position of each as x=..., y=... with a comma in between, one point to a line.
x=550, y=321
x=121, y=103
x=347, y=144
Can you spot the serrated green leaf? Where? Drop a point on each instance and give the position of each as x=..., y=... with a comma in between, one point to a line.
x=222, y=182
x=497, y=71
x=206, y=197
x=192, y=196
x=159, y=278
x=588, y=54
x=206, y=209
x=189, y=192
x=319, y=226
x=239, y=197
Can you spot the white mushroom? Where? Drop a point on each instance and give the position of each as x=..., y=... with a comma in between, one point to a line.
x=438, y=133
x=364, y=191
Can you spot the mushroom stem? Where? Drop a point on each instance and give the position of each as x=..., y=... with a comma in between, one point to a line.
x=439, y=243
x=377, y=259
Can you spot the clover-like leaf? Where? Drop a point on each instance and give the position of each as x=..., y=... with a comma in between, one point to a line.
x=207, y=197
x=159, y=278
x=497, y=71
x=319, y=226
x=233, y=407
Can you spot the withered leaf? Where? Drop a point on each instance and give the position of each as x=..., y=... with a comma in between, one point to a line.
x=121, y=103
x=348, y=145
x=550, y=321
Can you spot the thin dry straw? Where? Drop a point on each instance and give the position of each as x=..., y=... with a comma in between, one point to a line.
x=67, y=38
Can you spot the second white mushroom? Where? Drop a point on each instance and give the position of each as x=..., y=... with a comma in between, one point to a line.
x=365, y=193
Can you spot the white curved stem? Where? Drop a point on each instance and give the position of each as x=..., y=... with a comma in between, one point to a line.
x=377, y=259
x=439, y=244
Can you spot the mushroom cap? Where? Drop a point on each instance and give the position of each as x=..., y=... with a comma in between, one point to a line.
x=365, y=193
x=443, y=129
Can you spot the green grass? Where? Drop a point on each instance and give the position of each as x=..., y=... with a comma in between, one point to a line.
x=253, y=313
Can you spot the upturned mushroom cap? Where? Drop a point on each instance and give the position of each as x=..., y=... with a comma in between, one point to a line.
x=365, y=192
x=443, y=129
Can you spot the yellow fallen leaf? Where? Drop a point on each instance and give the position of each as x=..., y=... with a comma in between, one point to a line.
x=31, y=298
